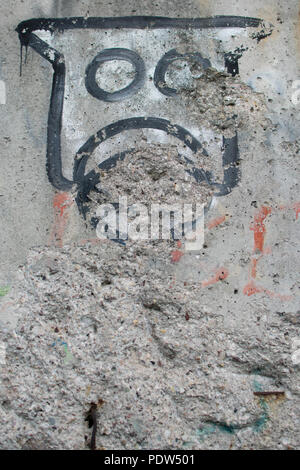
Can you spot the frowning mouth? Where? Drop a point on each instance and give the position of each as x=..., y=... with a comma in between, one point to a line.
x=87, y=182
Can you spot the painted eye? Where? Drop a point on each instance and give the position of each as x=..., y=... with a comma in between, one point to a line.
x=114, y=68
x=115, y=75
x=178, y=68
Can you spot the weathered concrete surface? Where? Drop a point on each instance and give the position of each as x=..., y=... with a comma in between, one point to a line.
x=179, y=346
x=176, y=363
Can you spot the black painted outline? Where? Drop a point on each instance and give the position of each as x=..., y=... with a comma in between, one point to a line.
x=25, y=28
x=115, y=54
x=164, y=63
x=86, y=183
x=131, y=124
x=54, y=162
x=232, y=60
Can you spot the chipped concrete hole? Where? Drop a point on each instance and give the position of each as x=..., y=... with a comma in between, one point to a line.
x=155, y=174
x=181, y=73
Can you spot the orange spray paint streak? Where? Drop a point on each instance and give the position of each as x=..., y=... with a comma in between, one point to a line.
x=61, y=203
x=220, y=275
x=176, y=255
x=251, y=289
x=295, y=207
x=215, y=222
x=259, y=230
x=254, y=266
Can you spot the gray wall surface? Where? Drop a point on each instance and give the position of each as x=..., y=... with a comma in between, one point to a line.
x=178, y=349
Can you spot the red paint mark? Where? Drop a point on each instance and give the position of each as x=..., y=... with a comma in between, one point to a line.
x=215, y=222
x=251, y=289
x=253, y=267
x=220, y=275
x=61, y=202
x=259, y=228
x=176, y=256
x=296, y=208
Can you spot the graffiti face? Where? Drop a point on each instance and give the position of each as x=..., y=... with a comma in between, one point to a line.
x=120, y=78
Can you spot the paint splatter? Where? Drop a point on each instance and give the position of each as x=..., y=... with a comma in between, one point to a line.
x=69, y=356
x=215, y=222
x=4, y=291
x=296, y=208
x=220, y=275
x=259, y=228
x=61, y=203
x=261, y=422
x=254, y=262
x=251, y=288
x=176, y=255
x=207, y=430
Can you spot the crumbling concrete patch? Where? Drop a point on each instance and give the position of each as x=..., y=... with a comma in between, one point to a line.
x=112, y=325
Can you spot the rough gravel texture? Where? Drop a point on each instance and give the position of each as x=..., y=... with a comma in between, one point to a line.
x=118, y=326
x=178, y=350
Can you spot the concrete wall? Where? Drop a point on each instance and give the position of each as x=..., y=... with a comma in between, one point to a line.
x=179, y=349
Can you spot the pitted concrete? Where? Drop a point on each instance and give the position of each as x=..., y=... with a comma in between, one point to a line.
x=178, y=350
